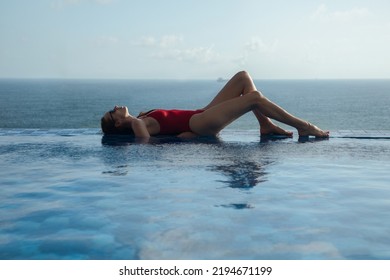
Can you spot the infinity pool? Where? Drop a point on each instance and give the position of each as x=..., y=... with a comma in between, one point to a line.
x=72, y=194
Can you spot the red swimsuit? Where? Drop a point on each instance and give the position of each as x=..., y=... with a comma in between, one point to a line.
x=173, y=121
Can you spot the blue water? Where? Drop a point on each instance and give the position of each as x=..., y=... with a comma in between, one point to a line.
x=332, y=104
x=69, y=193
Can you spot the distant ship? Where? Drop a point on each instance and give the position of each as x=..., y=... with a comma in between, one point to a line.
x=221, y=80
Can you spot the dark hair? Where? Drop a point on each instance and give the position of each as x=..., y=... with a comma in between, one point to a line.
x=108, y=127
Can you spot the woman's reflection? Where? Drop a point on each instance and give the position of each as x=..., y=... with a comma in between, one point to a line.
x=242, y=174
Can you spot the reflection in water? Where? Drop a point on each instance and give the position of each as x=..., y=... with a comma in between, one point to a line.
x=237, y=206
x=242, y=166
x=121, y=151
x=126, y=140
x=242, y=174
x=120, y=170
x=304, y=139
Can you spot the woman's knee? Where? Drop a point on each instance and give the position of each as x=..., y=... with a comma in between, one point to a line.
x=245, y=81
x=256, y=97
x=243, y=75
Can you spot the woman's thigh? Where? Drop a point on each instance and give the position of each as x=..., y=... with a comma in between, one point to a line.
x=215, y=118
x=240, y=84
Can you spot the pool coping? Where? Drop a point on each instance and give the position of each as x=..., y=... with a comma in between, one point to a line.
x=361, y=134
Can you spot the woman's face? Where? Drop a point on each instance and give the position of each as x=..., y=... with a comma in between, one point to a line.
x=118, y=113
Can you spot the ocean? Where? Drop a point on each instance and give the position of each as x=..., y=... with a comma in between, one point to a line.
x=69, y=193
x=332, y=104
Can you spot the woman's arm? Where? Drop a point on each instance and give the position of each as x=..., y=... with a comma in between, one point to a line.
x=139, y=128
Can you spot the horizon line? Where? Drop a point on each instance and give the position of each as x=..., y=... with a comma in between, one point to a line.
x=218, y=79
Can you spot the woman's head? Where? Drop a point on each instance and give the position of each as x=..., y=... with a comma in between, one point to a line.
x=116, y=121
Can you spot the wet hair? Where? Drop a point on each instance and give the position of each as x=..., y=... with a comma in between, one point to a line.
x=108, y=127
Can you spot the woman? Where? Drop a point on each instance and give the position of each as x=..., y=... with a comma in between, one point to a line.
x=237, y=97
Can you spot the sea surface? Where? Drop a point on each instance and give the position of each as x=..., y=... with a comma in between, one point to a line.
x=68, y=192
x=332, y=104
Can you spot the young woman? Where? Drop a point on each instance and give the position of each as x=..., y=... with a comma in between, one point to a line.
x=236, y=98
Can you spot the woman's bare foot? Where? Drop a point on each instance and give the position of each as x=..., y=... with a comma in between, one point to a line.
x=272, y=129
x=312, y=130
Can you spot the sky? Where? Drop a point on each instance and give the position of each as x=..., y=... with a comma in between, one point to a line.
x=194, y=39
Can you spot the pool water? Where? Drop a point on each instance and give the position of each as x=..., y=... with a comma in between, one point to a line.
x=73, y=194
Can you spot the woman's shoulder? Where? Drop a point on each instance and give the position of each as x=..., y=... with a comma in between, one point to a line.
x=144, y=114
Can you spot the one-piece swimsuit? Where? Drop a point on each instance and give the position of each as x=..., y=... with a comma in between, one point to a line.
x=173, y=121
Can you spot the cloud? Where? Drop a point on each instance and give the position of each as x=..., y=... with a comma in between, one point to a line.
x=256, y=44
x=195, y=54
x=146, y=41
x=166, y=41
x=170, y=41
x=322, y=13
x=255, y=47
x=172, y=47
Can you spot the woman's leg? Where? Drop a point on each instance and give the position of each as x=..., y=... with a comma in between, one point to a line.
x=242, y=84
x=215, y=118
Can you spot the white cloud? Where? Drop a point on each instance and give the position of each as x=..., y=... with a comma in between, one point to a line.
x=255, y=48
x=146, y=41
x=195, y=54
x=200, y=54
x=166, y=41
x=170, y=41
x=256, y=44
x=351, y=14
x=322, y=13
x=172, y=47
